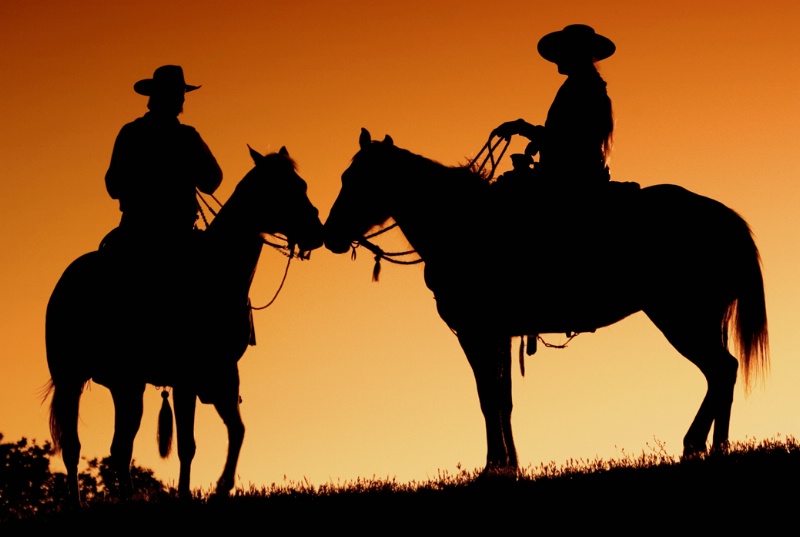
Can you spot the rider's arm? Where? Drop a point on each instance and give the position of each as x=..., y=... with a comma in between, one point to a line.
x=119, y=168
x=209, y=174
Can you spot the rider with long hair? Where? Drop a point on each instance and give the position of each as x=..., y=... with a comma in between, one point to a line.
x=575, y=141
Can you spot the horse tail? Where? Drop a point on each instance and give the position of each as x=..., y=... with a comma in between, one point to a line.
x=55, y=427
x=164, y=434
x=63, y=410
x=746, y=318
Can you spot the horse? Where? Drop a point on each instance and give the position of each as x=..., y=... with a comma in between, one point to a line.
x=122, y=336
x=688, y=262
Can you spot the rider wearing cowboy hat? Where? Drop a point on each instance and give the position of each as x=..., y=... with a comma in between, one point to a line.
x=575, y=141
x=157, y=163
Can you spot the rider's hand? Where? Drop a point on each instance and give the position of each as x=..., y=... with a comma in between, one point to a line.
x=510, y=128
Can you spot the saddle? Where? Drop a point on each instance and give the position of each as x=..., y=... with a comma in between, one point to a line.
x=160, y=276
x=559, y=261
x=158, y=270
x=581, y=241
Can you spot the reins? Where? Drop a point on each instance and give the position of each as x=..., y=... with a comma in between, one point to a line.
x=209, y=207
x=489, y=148
x=391, y=257
x=278, y=291
x=287, y=249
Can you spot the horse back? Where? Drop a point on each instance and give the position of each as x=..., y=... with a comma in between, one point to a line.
x=561, y=263
x=72, y=308
x=104, y=325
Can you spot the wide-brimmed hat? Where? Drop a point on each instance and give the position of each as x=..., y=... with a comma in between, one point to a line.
x=166, y=79
x=575, y=39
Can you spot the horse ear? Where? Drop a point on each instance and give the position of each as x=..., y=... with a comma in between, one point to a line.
x=365, y=138
x=283, y=151
x=255, y=155
x=388, y=140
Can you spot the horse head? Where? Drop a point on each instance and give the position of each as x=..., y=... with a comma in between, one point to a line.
x=362, y=203
x=280, y=203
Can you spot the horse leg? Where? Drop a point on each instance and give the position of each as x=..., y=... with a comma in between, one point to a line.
x=699, y=338
x=506, y=402
x=490, y=358
x=128, y=409
x=720, y=372
x=64, y=429
x=185, y=405
x=227, y=406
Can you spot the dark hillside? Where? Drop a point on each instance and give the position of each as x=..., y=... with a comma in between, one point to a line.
x=753, y=487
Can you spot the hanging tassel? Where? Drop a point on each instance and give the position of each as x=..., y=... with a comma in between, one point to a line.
x=533, y=341
x=522, y=355
x=164, y=435
x=353, y=253
x=376, y=270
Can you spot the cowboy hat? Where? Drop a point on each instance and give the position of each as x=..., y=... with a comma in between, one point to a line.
x=166, y=78
x=575, y=39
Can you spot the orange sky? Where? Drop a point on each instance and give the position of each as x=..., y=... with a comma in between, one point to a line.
x=352, y=378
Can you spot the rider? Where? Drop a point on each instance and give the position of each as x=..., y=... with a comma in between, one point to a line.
x=156, y=165
x=575, y=141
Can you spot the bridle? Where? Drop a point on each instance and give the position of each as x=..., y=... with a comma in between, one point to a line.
x=391, y=257
x=395, y=257
x=284, y=245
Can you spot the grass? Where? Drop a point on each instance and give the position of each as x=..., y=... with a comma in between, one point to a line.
x=752, y=486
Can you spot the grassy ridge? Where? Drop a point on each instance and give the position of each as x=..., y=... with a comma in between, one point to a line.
x=754, y=486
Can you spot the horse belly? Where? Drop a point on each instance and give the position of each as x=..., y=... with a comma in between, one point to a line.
x=580, y=314
x=530, y=302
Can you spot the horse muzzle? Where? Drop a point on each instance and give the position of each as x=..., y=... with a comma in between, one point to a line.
x=335, y=243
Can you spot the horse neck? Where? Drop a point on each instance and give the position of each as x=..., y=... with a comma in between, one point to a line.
x=432, y=205
x=233, y=247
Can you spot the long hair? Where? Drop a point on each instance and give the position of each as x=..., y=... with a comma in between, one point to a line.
x=608, y=126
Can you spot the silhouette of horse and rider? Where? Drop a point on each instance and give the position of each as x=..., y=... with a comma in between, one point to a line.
x=552, y=246
x=556, y=247
x=160, y=302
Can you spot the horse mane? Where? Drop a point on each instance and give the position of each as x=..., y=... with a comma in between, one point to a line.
x=275, y=154
x=270, y=159
x=242, y=194
x=473, y=167
x=465, y=173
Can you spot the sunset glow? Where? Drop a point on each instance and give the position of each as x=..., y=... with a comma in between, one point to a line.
x=351, y=378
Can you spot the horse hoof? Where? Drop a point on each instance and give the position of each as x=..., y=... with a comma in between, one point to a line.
x=219, y=496
x=499, y=473
x=224, y=487
x=691, y=453
x=722, y=448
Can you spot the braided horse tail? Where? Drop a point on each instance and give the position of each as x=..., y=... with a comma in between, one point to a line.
x=164, y=435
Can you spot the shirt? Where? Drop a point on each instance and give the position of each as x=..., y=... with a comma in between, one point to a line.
x=156, y=165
